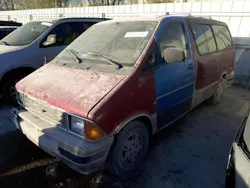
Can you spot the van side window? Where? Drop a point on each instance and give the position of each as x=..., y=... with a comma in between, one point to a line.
x=209, y=38
x=222, y=37
x=204, y=38
x=200, y=39
x=87, y=25
x=67, y=32
x=2, y=33
x=174, y=36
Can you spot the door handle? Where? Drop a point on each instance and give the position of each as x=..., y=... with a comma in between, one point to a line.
x=191, y=66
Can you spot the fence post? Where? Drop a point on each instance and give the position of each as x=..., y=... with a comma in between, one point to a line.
x=103, y=15
x=9, y=18
x=31, y=17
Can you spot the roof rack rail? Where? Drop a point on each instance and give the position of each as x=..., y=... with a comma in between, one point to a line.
x=160, y=14
x=190, y=14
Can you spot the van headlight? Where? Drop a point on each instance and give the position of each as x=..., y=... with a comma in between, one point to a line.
x=77, y=126
x=85, y=128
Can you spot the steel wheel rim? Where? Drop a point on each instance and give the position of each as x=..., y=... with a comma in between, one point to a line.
x=132, y=147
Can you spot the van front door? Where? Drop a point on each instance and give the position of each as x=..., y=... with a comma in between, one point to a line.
x=174, y=80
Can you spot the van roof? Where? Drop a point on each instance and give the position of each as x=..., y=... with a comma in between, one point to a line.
x=204, y=20
x=159, y=18
x=9, y=23
x=80, y=18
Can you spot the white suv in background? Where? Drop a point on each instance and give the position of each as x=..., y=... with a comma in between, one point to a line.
x=32, y=45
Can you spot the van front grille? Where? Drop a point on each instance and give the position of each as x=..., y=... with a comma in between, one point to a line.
x=44, y=110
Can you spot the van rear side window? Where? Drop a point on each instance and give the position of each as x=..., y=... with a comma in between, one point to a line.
x=211, y=38
x=222, y=37
x=204, y=38
x=200, y=38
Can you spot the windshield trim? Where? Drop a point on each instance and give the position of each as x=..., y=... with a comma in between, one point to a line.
x=151, y=41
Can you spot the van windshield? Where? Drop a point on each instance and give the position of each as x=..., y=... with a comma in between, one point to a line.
x=26, y=34
x=121, y=42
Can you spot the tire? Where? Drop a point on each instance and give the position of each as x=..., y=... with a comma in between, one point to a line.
x=129, y=150
x=8, y=88
x=215, y=99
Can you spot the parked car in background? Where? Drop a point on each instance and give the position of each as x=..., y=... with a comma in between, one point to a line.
x=100, y=100
x=5, y=30
x=33, y=45
x=238, y=167
x=10, y=23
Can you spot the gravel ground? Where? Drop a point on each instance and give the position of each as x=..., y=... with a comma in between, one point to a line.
x=191, y=153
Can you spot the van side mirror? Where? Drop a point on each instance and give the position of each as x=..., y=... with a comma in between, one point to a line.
x=51, y=39
x=172, y=55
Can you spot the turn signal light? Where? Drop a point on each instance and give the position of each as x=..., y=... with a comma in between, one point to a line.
x=92, y=132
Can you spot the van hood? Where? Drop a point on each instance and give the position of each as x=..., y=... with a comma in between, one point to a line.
x=73, y=90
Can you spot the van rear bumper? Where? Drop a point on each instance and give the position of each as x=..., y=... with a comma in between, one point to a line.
x=79, y=154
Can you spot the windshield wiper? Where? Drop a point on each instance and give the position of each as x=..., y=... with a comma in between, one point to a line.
x=75, y=55
x=109, y=60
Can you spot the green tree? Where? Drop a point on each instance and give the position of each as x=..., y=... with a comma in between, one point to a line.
x=38, y=4
x=7, y=4
x=108, y=2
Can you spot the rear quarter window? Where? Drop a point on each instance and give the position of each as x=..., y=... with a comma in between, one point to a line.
x=211, y=38
x=222, y=37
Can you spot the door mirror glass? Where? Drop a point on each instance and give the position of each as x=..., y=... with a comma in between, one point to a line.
x=51, y=39
x=172, y=55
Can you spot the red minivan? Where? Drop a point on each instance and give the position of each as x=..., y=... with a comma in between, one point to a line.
x=100, y=100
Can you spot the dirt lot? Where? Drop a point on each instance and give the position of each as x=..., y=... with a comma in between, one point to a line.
x=191, y=153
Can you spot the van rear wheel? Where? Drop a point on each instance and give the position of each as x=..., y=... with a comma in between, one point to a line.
x=215, y=99
x=129, y=150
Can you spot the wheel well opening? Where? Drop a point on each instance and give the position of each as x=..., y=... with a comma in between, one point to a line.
x=23, y=70
x=10, y=73
x=147, y=122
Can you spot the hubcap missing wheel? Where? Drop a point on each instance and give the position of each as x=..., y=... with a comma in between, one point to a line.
x=131, y=149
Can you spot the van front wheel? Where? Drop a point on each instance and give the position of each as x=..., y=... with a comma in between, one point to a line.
x=129, y=150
